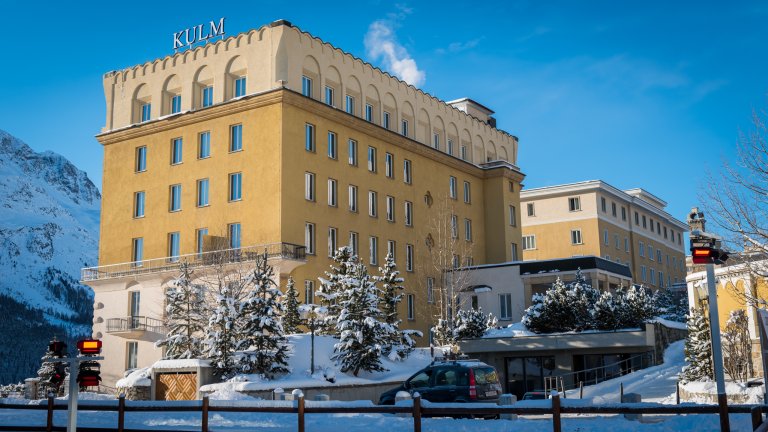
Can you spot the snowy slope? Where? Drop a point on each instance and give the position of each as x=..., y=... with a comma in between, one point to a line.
x=49, y=222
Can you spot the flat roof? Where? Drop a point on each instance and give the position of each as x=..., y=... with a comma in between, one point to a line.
x=589, y=262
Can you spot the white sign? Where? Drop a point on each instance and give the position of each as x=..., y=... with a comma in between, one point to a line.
x=199, y=33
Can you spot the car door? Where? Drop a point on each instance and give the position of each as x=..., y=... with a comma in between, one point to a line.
x=420, y=383
x=444, y=387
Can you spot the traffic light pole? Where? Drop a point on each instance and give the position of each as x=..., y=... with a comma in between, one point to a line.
x=717, y=352
x=74, y=365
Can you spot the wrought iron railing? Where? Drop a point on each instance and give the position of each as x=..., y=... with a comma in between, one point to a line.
x=225, y=256
x=134, y=323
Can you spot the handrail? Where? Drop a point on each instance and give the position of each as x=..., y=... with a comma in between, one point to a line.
x=132, y=323
x=171, y=263
x=627, y=361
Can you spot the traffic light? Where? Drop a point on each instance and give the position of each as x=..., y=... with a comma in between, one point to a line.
x=89, y=373
x=58, y=348
x=59, y=374
x=708, y=255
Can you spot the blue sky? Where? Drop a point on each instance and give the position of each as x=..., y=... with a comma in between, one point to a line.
x=637, y=94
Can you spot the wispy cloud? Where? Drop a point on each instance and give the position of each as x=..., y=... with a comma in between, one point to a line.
x=456, y=47
x=381, y=45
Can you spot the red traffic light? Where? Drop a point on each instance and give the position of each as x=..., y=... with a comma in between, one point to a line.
x=706, y=255
x=89, y=346
x=88, y=378
x=58, y=348
x=59, y=374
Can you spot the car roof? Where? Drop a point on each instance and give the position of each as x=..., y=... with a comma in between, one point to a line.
x=471, y=363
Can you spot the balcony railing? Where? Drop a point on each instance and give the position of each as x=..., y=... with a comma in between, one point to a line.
x=134, y=324
x=225, y=256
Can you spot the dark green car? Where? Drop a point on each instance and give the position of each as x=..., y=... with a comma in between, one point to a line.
x=451, y=381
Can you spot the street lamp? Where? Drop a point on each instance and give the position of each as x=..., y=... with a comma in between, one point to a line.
x=313, y=317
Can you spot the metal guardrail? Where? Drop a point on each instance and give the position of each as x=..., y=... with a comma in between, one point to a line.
x=134, y=323
x=224, y=256
x=599, y=374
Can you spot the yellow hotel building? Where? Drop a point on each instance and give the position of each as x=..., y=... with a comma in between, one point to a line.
x=275, y=140
x=630, y=227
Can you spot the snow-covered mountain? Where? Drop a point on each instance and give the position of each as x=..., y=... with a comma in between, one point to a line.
x=49, y=226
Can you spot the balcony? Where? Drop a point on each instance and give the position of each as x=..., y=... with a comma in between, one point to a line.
x=136, y=327
x=288, y=255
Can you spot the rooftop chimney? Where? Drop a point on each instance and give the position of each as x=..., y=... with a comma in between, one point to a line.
x=474, y=109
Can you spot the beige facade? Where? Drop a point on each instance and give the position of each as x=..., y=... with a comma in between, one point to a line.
x=284, y=170
x=594, y=218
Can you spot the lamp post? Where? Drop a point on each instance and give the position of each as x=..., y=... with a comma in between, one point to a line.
x=313, y=316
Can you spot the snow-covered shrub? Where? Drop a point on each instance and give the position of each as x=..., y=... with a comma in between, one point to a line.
x=472, y=323
x=737, y=346
x=698, y=349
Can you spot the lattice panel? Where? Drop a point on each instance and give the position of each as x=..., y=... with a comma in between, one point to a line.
x=176, y=386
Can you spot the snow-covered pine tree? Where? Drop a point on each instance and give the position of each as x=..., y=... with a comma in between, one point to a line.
x=639, y=307
x=222, y=336
x=698, y=349
x=361, y=333
x=266, y=346
x=443, y=333
x=391, y=285
x=605, y=314
x=185, y=317
x=291, y=317
x=331, y=287
x=46, y=371
x=550, y=312
x=471, y=323
x=582, y=300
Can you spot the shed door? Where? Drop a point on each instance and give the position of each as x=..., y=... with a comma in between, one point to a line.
x=176, y=386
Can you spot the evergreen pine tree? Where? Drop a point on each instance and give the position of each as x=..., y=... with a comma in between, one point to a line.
x=443, y=333
x=331, y=288
x=471, y=323
x=267, y=347
x=698, y=349
x=361, y=334
x=221, y=335
x=582, y=298
x=391, y=286
x=185, y=317
x=291, y=317
x=605, y=315
x=46, y=371
x=639, y=307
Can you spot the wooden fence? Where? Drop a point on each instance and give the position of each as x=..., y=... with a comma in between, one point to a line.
x=417, y=411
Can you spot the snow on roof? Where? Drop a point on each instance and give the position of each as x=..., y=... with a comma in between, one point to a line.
x=181, y=363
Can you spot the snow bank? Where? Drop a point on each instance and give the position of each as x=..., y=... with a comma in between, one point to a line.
x=138, y=378
x=706, y=392
x=181, y=363
x=670, y=323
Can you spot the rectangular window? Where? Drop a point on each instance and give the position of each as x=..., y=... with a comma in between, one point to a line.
x=146, y=112
x=138, y=204
x=463, y=152
x=407, y=171
x=332, y=151
x=306, y=86
x=385, y=120
x=574, y=204
x=436, y=141
x=623, y=213
x=661, y=279
x=353, y=198
x=240, y=87
x=652, y=274
x=309, y=186
x=392, y=249
x=372, y=204
x=467, y=192
x=616, y=241
x=450, y=147
x=236, y=186
x=643, y=276
x=404, y=128
x=389, y=165
x=513, y=251
x=332, y=237
x=353, y=242
x=373, y=248
x=175, y=198
x=200, y=240
x=665, y=232
x=408, y=213
x=176, y=104
x=529, y=242
x=207, y=96
x=467, y=230
x=132, y=355
x=409, y=257
x=613, y=209
x=350, y=102
x=650, y=252
x=309, y=137
x=452, y=187
x=505, y=306
x=576, y=237
x=329, y=96
x=658, y=255
x=605, y=237
x=637, y=219
x=309, y=237
x=645, y=224
x=390, y=208
x=531, y=209
x=371, y=159
x=173, y=246
x=352, y=151
x=602, y=204
x=309, y=292
x=626, y=244
x=642, y=249
x=411, y=307
x=332, y=193
x=236, y=138
x=651, y=224
x=368, y=112
x=658, y=228
x=430, y=290
x=176, y=151
x=512, y=216
x=202, y=193
x=204, y=145
x=234, y=232
x=141, y=159
x=454, y=226
x=137, y=251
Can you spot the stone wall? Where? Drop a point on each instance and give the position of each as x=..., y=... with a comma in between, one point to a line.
x=664, y=336
x=138, y=393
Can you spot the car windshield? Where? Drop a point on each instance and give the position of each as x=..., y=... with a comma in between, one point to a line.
x=486, y=375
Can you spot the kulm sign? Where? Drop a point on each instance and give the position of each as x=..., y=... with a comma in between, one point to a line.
x=199, y=33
